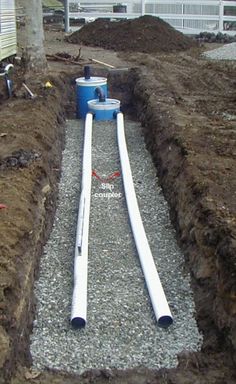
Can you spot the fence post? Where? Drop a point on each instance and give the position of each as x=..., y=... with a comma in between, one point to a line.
x=142, y=7
x=221, y=16
x=67, y=19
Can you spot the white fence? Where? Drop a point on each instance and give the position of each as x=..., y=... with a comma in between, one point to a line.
x=187, y=16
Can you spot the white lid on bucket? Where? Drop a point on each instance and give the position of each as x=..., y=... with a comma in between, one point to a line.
x=108, y=104
x=91, y=81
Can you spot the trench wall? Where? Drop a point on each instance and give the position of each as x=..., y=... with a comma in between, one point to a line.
x=206, y=238
x=30, y=219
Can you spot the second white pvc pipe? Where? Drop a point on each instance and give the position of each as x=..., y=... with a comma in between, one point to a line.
x=79, y=298
x=156, y=292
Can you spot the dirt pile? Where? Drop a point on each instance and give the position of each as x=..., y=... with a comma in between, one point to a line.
x=146, y=34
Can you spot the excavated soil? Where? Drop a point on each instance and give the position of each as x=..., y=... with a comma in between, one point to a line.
x=187, y=108
x=146, y=34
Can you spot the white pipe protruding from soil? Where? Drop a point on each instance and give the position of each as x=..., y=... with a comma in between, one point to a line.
x=79, y=298
x=156, y=292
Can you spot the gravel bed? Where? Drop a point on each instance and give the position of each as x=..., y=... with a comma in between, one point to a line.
x=121, y=330
x=227, y=52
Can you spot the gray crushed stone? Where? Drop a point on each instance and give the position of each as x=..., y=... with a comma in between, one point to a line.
x=121, y=330
x=227, y=52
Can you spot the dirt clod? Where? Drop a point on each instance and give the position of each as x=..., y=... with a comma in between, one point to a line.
x=20, y=159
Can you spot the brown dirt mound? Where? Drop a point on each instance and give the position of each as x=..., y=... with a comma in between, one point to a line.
x=146, y=34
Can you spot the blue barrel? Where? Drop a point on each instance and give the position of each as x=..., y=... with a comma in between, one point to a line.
x=105, y=110
x=86, y=90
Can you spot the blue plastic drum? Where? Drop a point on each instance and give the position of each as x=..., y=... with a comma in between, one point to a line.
x=86, y=89
x=105, y=110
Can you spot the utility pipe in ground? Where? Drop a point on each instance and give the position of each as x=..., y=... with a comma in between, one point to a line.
x=156, y=292
x=79, y=298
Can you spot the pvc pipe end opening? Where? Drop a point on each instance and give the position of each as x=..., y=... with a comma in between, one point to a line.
x=165, y=321
x=78, y=322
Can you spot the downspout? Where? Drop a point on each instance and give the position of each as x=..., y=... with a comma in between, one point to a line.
x=9, y=83
x=79, y=298
x=156, y=292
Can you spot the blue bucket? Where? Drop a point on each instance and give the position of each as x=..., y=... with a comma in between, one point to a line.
x=105, y=110
x=86, y=90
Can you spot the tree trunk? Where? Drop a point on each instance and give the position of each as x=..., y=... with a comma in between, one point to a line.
x=33, y=48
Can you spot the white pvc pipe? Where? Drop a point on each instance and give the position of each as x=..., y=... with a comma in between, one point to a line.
x=80, y=222
x=156, y=292
x=79, y=298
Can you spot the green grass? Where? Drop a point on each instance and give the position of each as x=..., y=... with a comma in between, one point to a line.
x=52, y=4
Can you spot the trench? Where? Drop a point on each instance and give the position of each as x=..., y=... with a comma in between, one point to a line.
x=121, y=331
